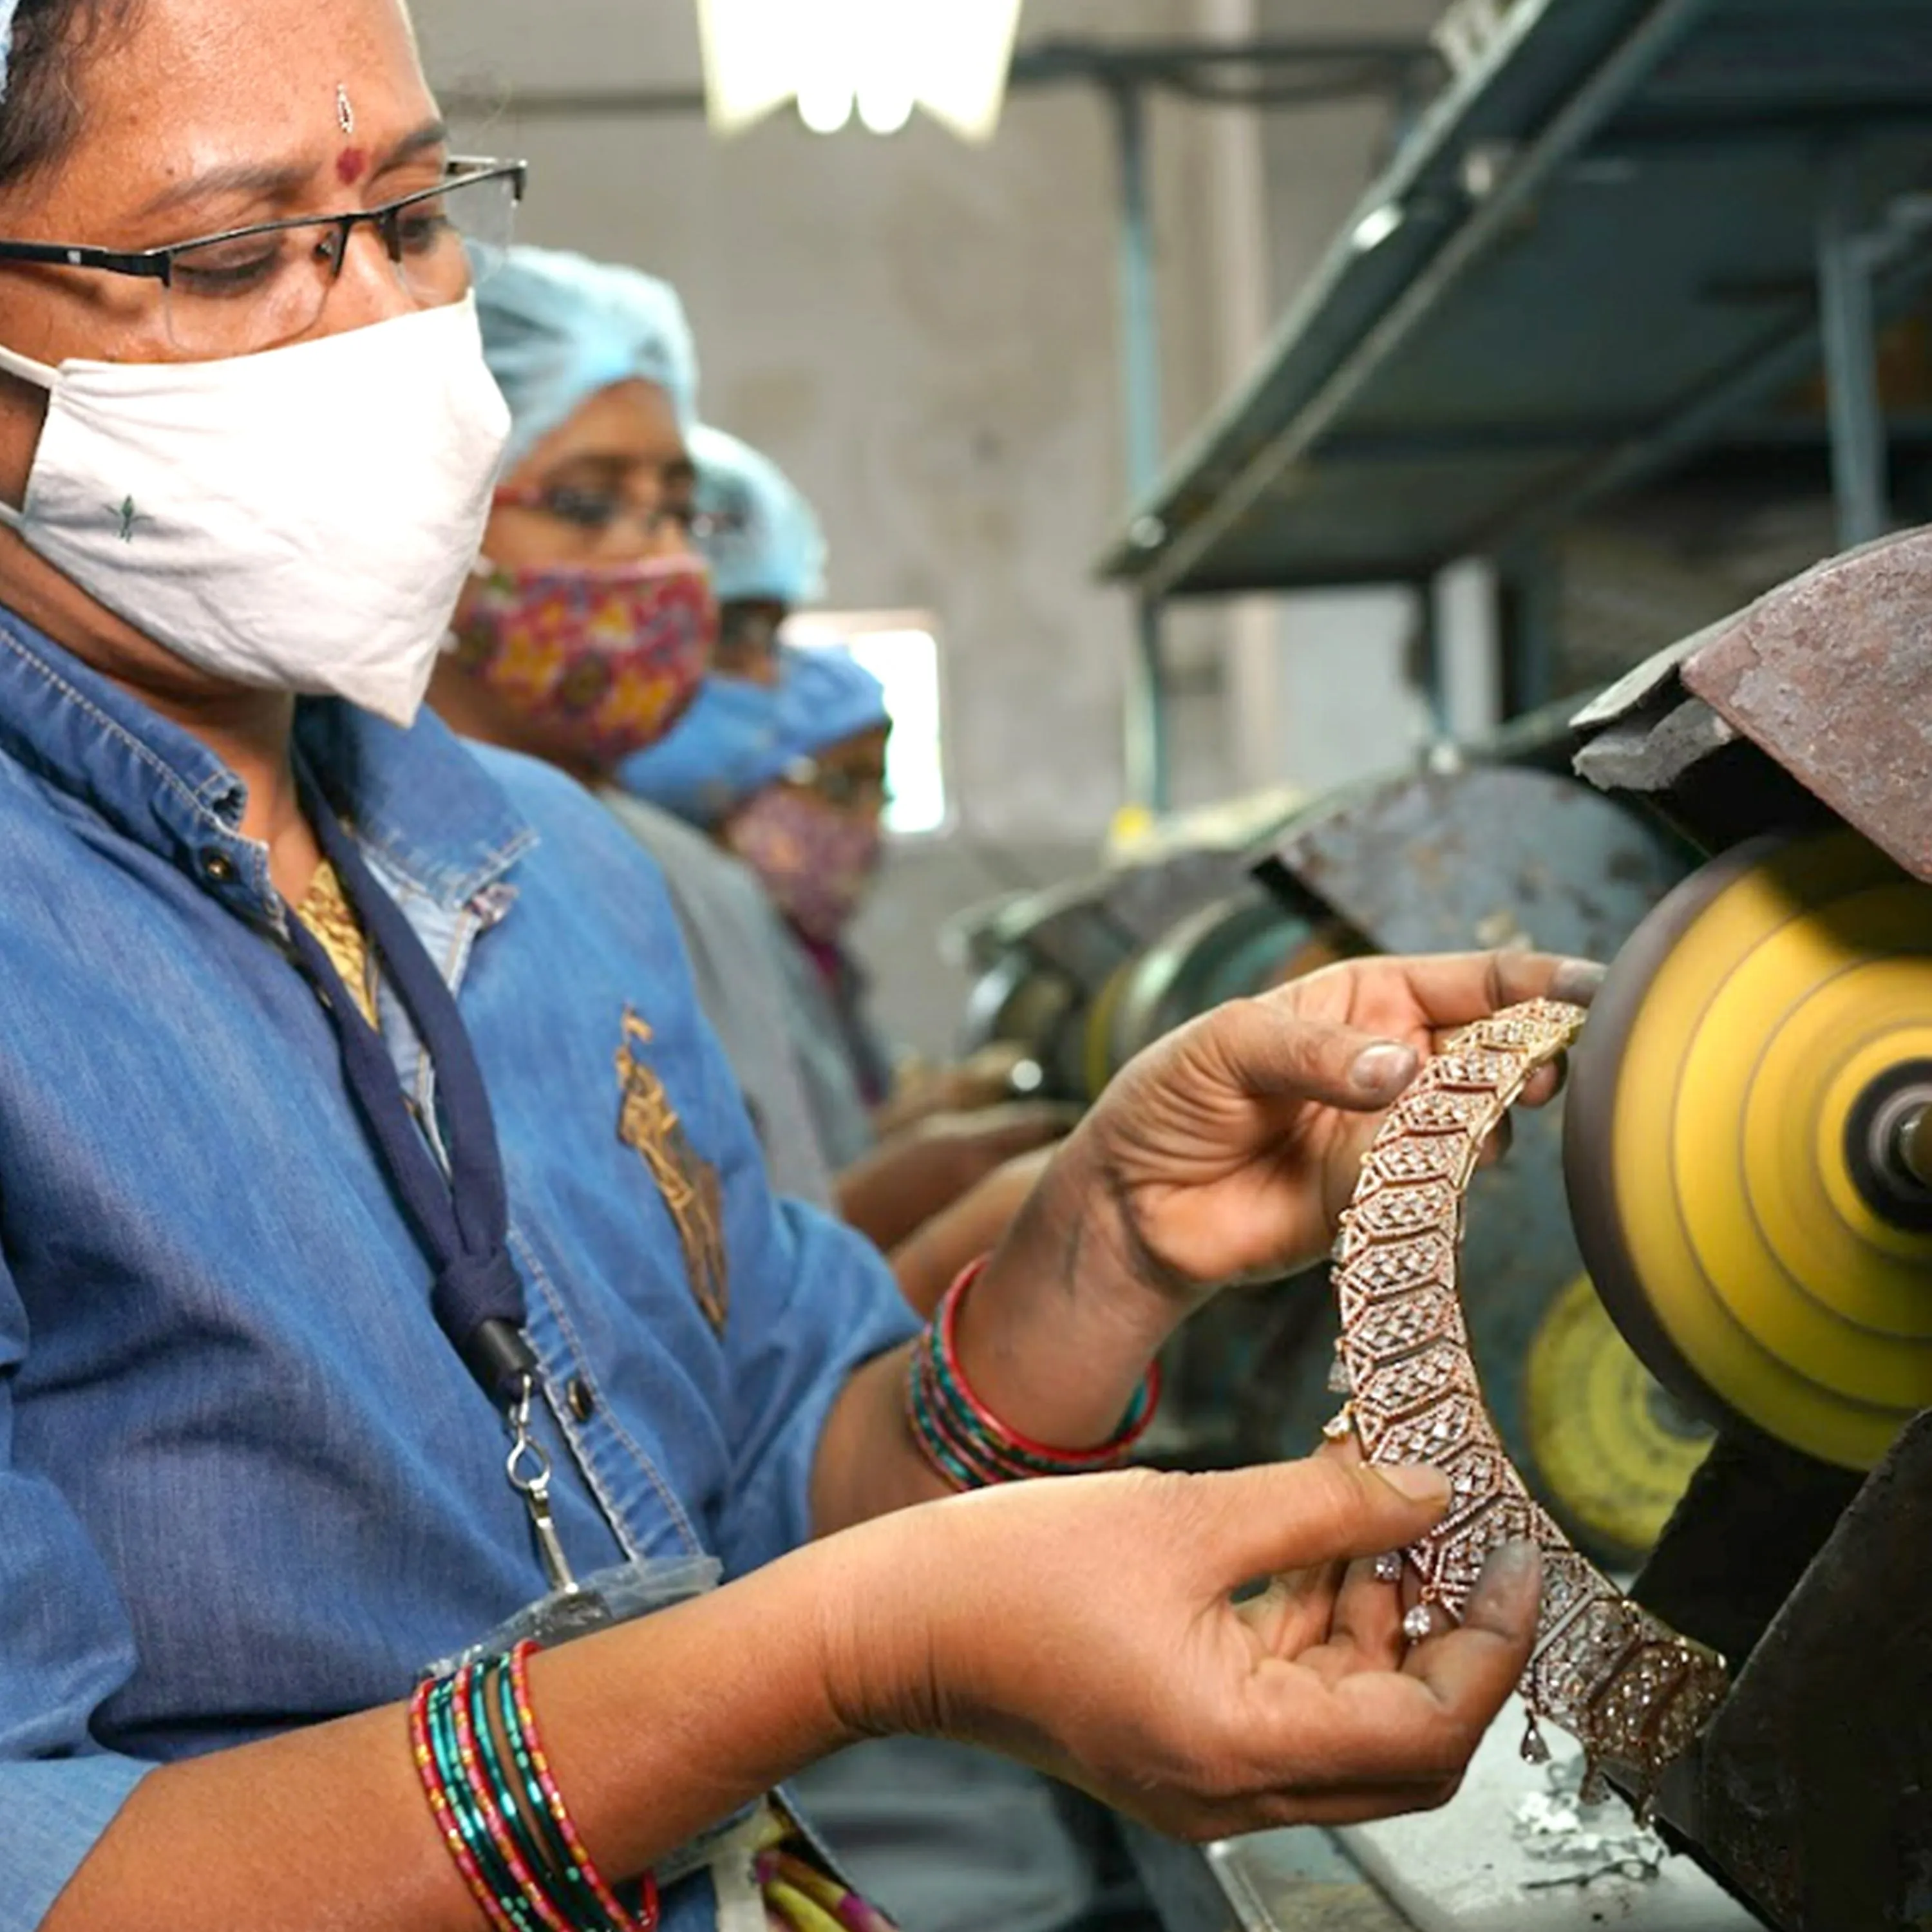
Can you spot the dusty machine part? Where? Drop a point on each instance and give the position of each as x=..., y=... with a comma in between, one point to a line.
x=1812, y=707
x=1814, y=1792
x=1853, y=723
x=1432, y=862
x=1048, y=957
x=1810, y=716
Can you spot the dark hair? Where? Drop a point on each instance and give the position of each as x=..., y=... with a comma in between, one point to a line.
x=41, y=116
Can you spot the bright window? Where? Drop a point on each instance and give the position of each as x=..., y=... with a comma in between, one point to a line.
x=901, y=648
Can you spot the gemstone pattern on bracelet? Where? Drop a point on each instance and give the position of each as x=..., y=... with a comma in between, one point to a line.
x=1632, y=1691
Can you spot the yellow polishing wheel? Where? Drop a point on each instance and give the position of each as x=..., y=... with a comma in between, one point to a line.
x=1733, y=1135
x=1613, y=1450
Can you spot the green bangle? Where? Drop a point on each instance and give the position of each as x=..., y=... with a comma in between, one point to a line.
x=507, y=1894
x=520, y=1802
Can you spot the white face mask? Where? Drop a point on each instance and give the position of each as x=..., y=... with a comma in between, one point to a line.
x=300, y=519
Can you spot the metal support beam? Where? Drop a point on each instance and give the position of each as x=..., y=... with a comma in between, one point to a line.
x=1531, y=626
x=1431, y=671
x=1850, y=338
x=1140, y=366
x=1146, y=712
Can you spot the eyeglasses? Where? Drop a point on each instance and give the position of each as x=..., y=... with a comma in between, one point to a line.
x=848, y=791
x=251, y=288
x=596, y=511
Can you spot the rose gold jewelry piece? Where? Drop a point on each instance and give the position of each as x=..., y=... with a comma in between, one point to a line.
x=1632, y=1691
x=345, y=111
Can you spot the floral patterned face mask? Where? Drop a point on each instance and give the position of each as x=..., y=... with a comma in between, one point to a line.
x=601, y=659
x=816, y=862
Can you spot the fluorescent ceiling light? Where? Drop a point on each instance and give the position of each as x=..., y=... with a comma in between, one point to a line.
x=884, y=57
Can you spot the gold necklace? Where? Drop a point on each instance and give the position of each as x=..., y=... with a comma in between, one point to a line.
x=1631, y=1690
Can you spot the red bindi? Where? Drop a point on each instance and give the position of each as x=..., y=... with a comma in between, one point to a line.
x=350, y=166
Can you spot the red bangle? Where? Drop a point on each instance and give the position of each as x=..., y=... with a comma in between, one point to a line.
x=646, y=1918
x=970, y=1446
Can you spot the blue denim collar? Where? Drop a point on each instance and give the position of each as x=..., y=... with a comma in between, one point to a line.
x=435, y=819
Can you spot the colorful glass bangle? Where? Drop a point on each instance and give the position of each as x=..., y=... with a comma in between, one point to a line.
x=644, y=1917
x=966, y=1444
x=533, y=1885
x=524, y=1805
x=456, y=1817
x=510, y=1836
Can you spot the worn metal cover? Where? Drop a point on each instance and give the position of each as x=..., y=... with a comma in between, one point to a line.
x=1831, y=675
x=1487, y=856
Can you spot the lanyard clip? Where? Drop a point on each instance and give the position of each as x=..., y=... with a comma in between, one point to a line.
x=528, y=1469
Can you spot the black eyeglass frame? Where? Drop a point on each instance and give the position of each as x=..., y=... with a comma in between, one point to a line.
x=157, y=264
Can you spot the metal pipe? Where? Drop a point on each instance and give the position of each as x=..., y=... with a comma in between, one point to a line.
x=1606, y=90
x=1431, y=672
x=1858, y=480
x=1145, y=720
x=1146, y=712
x=1140, y=315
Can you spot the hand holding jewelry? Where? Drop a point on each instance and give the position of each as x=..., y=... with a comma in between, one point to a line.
x=1632, y=1691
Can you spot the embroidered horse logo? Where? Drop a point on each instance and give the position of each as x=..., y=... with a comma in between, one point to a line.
x=648, y=1123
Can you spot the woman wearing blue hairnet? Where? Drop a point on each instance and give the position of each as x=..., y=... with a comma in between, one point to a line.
x=584, y=633
x=767, y=553
x=394, y=1308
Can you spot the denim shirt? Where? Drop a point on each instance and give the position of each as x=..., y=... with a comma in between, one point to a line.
x=245, y=1484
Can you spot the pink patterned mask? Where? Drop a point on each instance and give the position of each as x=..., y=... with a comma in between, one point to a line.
x=816, y=862
x=603, y=658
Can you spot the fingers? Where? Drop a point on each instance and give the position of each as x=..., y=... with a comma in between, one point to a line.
x=1268, y=1050
x=1364, y=1628
x=1472, y=1670
x=1290, y=1516
x=1454, y=988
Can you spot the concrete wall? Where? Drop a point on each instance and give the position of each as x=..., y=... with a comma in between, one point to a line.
x=925, y=335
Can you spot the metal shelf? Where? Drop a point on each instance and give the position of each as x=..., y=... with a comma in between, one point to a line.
x=1620, y=239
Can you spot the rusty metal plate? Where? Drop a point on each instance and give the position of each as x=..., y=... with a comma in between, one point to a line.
x=1831, y=675
x=1487, y=856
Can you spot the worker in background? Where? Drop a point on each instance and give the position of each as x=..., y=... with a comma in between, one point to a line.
x=584, y=632
x=767, y=553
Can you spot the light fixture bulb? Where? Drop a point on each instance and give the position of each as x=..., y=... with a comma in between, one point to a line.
x=884, y=107
x=825, y=106
x=882, y=57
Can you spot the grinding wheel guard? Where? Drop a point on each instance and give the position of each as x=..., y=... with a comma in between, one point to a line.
x=1634, y=1693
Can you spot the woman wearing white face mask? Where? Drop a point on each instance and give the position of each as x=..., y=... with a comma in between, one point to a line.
x=373, y=1287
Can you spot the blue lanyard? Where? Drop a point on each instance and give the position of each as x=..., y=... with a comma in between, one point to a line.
x=462, y=1220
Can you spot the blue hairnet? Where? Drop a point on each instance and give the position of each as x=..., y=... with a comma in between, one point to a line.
x=826, y=696
x=738, y=737
x=724, y=749
x=763, y=540
x=8, y=8
x=557, y=327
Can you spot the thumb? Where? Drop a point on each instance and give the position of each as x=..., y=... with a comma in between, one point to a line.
x=1264, y=1051
x=1287, y=1516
